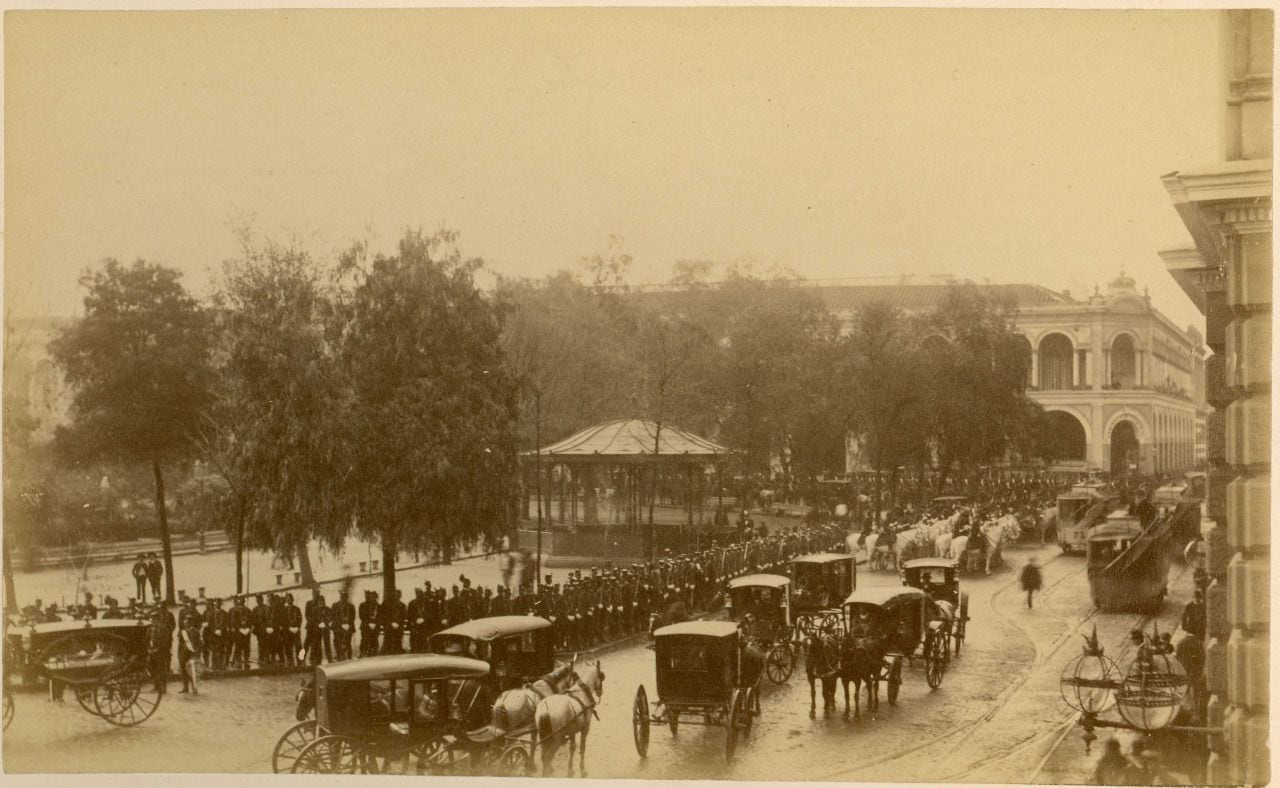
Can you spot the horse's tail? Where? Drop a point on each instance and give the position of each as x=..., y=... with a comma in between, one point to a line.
x=542, y=718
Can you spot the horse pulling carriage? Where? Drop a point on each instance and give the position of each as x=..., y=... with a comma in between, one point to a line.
x=939, y=578
x=104, y=661
x=819, y=581
x=453, y=713
x=880, y=627
x=708, y=674
x=761, y=604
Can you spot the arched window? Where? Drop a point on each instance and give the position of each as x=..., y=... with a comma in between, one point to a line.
x=1055, y=362
x=1124, y=363
x=1066, y=437
x=1124, y=449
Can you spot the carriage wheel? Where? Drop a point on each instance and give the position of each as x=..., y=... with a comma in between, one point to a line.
x=8, y=709
x=830, y=624
x=515, y=761
x=934, y=660
x=804, y=625
x=779, y=663
x=84, y=696
x=640, y=721
x=293, y=742
x=749, y=710
x=895, y=682
x=430, y=757
x=734, y=722
x=126, y=696
x=330, y=755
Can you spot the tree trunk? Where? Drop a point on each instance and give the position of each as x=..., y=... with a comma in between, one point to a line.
x=649, y=540
x=240, y=518
x=304, y=565
x=10, y=595
x=388, y=565
x=165, y=545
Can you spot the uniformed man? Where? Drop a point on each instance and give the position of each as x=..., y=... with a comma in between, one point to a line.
x=139, y=573
x=280, y=637
x=261, y=624
x=343, y=620
x=291, y=635
x=240, y=622
x=319, y=620
x=417, y=621
x=88, y=609
x=113, y=608
x=370, y=624
x=392, y=619
x=216, y=638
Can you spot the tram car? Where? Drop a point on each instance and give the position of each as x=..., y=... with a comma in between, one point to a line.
x=518, y=648
x=1083, y=507
x=762, y=605
x=103, y=661
x=1128, y=565
x=818, y=582
x=1182, y=507
x=707, y=675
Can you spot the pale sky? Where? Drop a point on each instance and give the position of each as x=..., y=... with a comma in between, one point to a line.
x=1020, y=145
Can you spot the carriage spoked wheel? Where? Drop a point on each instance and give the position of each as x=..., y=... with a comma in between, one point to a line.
x=804, y=626
x=750, y=709
x=830, y=624
x=330, y=755
x=640, y=721
x=430, y=756
x=8, y=709
x=126, y=696
x=84, y=696
x=895, y=682
x=779, y=663
x=734, y=723
x=935, y=660
x=293, y=742
x=515, y=761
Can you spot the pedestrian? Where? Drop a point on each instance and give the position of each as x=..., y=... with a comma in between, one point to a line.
x=189, y=648
x=140, y=576
x=155, y=570
x=1030, y=579
x=1193, y=615
x=1111, y=766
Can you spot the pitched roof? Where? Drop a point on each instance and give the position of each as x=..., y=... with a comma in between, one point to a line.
x=633, y=438
x=914, y=298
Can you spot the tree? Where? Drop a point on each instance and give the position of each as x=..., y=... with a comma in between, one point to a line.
x=139, y=362
x=277, y=433
x=433, y=408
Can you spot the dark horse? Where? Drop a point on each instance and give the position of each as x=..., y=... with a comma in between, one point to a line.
x=822, y=661
x=860, y=659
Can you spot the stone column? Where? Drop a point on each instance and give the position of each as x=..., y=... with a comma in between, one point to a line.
x=1035, y=369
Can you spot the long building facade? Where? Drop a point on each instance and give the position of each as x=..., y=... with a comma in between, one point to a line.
x=1123, y=384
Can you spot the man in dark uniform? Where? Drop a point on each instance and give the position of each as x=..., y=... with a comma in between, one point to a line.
x=343, y=620
x=418, y=621
x=370, y=616
x=240, y=622
x=318, y=620
x=113, y=608
x=278, y=634
x=392, y=620
x=292, y=633
x=261, y=623
x=155, y=570
x=215, y=635
x=88, y=609
x=1142, y=508
x=139, y=573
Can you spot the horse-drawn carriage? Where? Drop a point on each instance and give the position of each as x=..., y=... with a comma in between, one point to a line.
x=708, y=674
x=939, y=578
x=517, y=648
x=103, y=661
x=761, y=604
x=819, y=581
x=410, y=709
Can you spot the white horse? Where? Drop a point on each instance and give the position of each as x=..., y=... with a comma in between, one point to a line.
x=942, y=543
x=514, y=709
x=958, y=546
x=568, y=716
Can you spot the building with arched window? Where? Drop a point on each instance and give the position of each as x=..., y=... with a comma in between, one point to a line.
x=1124, y=386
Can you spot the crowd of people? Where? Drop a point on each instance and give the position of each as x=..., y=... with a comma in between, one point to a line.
x=589, y=608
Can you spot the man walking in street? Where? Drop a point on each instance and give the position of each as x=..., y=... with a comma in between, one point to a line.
x=1030, y=579
x=140, y=576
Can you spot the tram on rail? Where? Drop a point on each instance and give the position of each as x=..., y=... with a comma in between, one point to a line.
x=1128, y=564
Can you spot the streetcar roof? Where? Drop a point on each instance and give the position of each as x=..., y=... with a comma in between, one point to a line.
x=710, y=629
x=930, y=563
x=81, y=625
x=821, y=558
x=882, y=595
x=768, y=581
x=1119, y=528
x=494, y=627
x=405, y=666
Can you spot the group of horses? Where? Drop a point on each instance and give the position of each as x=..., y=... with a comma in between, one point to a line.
x=936, y=539
x=554, y=709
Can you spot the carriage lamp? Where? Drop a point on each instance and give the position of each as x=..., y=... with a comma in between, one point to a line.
x=1147, y=694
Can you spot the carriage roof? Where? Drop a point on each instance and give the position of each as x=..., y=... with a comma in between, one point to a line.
x=880, y=596
x=405, y=666
x=821, y=558
x=82, y=625
x=494, y=627
x=765, y=580
x=930, y=563
x=708, y=629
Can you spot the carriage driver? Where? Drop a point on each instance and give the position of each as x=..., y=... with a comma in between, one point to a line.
x=861, y=624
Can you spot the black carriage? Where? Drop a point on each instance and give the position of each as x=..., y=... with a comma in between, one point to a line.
x=818, y=582
x=902, y=620
x=761, y=604
x=519, y=649
x=105, y=662
x=410, y=709
x=940, y=579
x=707, y=675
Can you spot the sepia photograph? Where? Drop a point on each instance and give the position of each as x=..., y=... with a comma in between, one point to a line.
x=786, y=394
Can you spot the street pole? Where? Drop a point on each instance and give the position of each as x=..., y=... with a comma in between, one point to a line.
x=537, y=454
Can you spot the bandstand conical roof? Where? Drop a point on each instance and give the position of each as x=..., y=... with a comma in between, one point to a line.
x=632, y=439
